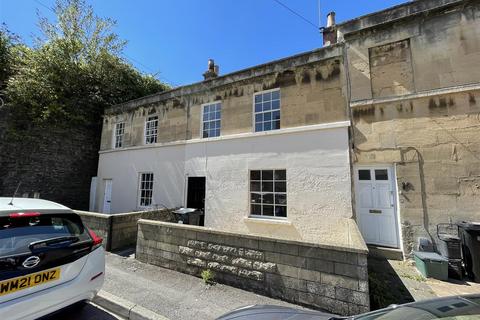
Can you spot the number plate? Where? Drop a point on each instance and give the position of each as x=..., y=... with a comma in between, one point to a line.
x=31, y=280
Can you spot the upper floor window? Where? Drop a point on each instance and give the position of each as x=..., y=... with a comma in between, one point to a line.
x=268, y=193
x=267, y=110
x=119, y=133
x=211, y=120
x=145, y=189
x=151, y=130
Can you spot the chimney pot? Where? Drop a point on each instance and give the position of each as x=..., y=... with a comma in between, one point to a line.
x=331, y=19
x=212, y=71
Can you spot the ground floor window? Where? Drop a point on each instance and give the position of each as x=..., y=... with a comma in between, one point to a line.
x=146, y=189
x=268, y=193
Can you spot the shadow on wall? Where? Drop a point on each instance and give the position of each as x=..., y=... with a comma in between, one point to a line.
x=385, y=285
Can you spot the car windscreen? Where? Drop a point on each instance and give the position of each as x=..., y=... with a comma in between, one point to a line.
x=18, y=233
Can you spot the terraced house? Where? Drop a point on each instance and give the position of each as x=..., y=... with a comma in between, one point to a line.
x=378, y=128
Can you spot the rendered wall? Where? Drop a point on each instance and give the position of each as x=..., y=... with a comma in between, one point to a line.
x=318, y=179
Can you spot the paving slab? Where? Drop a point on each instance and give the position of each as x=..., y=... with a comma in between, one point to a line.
x=172, y=294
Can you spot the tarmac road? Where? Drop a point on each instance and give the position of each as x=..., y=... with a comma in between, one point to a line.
x=89, y=312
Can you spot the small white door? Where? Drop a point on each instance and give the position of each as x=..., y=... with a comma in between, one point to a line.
x=107, y=195
x=376, y=205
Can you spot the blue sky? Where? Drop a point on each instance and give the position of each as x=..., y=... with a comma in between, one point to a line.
x=175, y=38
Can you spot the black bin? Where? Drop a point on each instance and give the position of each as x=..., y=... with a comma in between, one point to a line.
x=469, y=233
x=448, y=244
x=189, y=216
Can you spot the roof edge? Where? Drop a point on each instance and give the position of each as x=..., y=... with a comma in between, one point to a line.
x=300, y=59
x=392, y=14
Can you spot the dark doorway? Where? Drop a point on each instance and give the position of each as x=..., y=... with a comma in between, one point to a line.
x=196, y=195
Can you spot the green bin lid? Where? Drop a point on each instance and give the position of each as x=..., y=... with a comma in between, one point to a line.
x=432, y=256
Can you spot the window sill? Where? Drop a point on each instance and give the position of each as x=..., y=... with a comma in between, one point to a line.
x=268, y=221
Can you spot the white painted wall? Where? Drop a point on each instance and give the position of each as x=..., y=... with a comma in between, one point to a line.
x=318, y=177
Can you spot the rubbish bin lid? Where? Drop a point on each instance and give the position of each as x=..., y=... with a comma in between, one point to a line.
x=469, y=225
x=184, y=210
x=448, y=238
x=429, y=256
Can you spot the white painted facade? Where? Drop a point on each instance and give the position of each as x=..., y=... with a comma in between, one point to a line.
x=316, y=159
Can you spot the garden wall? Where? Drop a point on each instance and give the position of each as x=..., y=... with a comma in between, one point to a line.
x=120, y=230
x=319, y=276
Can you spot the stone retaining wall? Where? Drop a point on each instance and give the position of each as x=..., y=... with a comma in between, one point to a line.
x=319, y=276
x=120, y=230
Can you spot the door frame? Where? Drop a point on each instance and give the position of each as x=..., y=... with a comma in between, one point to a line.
x=392, y=168
x=104, y=192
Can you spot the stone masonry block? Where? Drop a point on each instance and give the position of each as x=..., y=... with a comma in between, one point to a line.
x=351, y=296
x=309, y=275
x=206, y=255
x=362, y=260
x=286, y=259
x=196, y=262
x=186, y=251
x=350, y=270
x=197, y=244
x=222, y=249
x=339, y=281
x=241, y=262
x=320, y=265
x=253, y=254
x=222, y=267
x=220, y=258
x=255, y=275
x=264, y=266
x=320, y=289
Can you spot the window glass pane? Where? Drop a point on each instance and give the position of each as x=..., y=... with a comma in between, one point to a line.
x=267, y=96
x=255, y=175
x=280, y=174
x=280, y=187
x=363, y=174
x=217, y=133
x=218, y=107
x=267, y=175
x=381, y=174
x=258, y=107
x=267, y=186
x=255, y=186
x=217, y=115
x=267, y=116
x=280, y=198
x=268, y=210
x=256, y=209
x=267, y=198
x=205, y=110
x=258, y=127
x=267, y=106
x=259, y=117
x=258, y=98
x=267, y=126
x=276, y=115
x=275, y=104
x=276, y=94
x=276, y=124
x=280, y=211
x=255, y=197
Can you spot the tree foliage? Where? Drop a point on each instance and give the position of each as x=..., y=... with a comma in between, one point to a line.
x=74, y=70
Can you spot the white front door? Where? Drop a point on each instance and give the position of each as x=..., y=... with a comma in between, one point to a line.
x=376, y=205
x=107, y=195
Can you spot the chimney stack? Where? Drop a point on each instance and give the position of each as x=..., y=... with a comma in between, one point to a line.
x=212, y=71
x=330, y=31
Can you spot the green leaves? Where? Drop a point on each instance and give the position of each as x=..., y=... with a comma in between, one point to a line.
x=74, y=71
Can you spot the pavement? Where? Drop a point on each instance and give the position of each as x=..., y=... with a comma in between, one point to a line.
x=158, y=293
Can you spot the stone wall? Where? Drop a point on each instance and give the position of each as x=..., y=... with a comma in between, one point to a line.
x=323, y=277
x=120, y=230
x=57, y=163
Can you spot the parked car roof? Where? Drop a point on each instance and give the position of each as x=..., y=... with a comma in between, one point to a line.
x=29, y=204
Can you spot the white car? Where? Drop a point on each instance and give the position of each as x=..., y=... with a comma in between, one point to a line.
x=48, y=259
